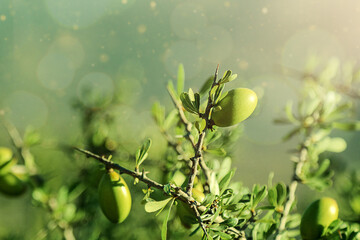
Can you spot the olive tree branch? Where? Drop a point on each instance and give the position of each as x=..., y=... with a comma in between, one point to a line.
x=303, y=154
x=199, y=144
x=189, y=137
x=177, y=193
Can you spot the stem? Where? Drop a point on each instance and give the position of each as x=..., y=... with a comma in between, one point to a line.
x=292, y=189
x=178, y=193
x=190, y=138
x=199, y=144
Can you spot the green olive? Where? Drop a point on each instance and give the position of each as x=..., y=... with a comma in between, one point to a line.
x=114, y=197
x=5, y=156
x=235, y=107
x=185, y=213
x=13, y=183
x=317, y=217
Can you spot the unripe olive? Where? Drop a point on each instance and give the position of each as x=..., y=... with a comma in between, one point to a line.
x=114, y=197
x=236, y=106
x=184, y=211
x=5, y=156
x=317, y=217
x=13, y=183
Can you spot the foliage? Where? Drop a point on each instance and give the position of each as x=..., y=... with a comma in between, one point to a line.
x=199, y=157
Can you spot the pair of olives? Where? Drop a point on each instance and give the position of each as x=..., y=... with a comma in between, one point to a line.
x=235, y=107
x=13, y=177
x=114, y=197
x=317, y=218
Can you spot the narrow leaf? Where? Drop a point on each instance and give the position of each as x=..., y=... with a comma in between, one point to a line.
x=158, y=113
x=171, y=119
x=197, y=101
x=259, y=196
x=281, y=193
x=142, y=152
x=171, y=90
x=164, y=226
x=180, y=79
x=225, y=181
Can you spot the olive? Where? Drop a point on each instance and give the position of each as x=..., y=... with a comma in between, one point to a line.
x=13, y=183
x=317, y=217
x=235, y=107
x=5, y=156
x=114, y=197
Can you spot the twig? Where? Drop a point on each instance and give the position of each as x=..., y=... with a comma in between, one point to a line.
x=199, y=144
x=199, y=219
x=178, y=193
x=292, y=189
x=189, y=137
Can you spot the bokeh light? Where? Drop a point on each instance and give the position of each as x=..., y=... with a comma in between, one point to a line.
x=184, y=52
x=71, y=47
x=77, y=14
x=55, y=71
x=215, y=43
x=187, y=20
x=24, y=108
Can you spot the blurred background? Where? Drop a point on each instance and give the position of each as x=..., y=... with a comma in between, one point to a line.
x=51, y=51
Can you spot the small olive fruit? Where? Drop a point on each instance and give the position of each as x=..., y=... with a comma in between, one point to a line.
x=185, y=213
x=317, y=217
x=114, y=197
x=5, y=156
x=235, y=107
x=13, y=183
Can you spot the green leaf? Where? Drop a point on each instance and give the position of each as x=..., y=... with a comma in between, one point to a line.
x=289, y=113
x=214, y=186
x=171, y=90
x=158, y=113
x=218, y=92
x=228, y=77
x=178, y=178
x=197, y=101
x=31, y=137
x=171, y=119
x=224, y=168
x=266, y=208
x=187, y=103
x=324, y=166
x=336, y=145
x=291, y=133
x=142, y=152
x=272, y=196
x=259, y=196
x=224, y=235
x=180, y=79
x=218, y=151
x=281, y=193
x=154, y=206
x=164, y=226
x=231, y=222
x=225, y=181
x=354, y=126
x=200, y=125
